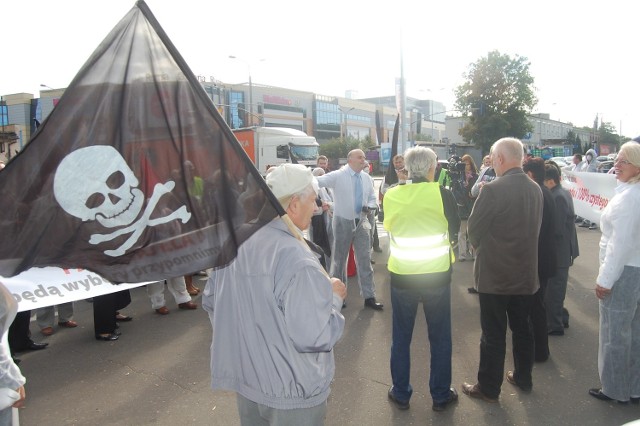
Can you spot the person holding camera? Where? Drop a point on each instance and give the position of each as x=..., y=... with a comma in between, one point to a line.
x=354, y=198
x=464, y=177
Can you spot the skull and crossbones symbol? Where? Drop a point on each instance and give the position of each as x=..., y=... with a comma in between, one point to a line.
x=96, y=183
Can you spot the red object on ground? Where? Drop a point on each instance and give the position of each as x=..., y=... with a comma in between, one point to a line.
x=351, y=263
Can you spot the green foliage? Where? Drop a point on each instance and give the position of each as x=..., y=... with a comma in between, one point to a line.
x=607, y=134
x=497, y=97
x=423, y=137
x=573, y=139
x=340, y=147
x=367, y=143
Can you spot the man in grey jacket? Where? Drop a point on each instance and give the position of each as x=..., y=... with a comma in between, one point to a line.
x=503, y=227
x=276, y=316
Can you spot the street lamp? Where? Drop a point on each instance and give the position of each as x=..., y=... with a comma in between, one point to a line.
x=250, y=83
x=343, y=132
x=47, y=87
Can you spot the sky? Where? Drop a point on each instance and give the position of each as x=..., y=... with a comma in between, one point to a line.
x=584, y=59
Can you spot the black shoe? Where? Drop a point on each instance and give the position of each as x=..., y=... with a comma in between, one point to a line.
x=556, y=333
x=373, y=304
x=441, y=406
x=123, y=318
x=472, y=290
x=402, y=405
x=597, y=393
x=108, y=338
x=33, y=346
x=344, y=305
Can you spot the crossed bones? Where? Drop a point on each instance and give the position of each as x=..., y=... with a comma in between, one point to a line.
x=138, y=227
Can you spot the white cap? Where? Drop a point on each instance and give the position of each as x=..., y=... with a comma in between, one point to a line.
x=288, y=179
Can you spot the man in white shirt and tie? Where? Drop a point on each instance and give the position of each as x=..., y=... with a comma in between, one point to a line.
x=354, y=195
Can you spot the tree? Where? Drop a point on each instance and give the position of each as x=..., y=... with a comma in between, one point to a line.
x=339, y=147
x=497, y=97
x=607, y=134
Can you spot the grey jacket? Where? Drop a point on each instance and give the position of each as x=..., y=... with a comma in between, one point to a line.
x=503, y=227
x=275, y=321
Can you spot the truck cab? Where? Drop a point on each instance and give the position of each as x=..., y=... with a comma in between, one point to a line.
x=271, y=146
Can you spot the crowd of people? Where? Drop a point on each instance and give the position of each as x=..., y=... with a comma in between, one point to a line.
x=275, y=311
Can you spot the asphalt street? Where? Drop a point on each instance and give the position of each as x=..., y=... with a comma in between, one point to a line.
x=158, y=372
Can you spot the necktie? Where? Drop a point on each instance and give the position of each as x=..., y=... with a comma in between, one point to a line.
x=358, y=194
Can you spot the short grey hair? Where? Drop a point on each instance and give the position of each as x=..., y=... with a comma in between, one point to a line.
x=510, y=148
x=419, y=161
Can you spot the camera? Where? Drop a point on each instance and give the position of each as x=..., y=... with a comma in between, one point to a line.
x=456, y=167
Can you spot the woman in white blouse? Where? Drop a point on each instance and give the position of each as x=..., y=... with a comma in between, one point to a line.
x=11, y=379
x=618, y=285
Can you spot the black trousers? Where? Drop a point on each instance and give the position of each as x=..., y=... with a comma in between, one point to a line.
x=105, y=308
x=495, y=311
x=19, y=333
x=539, y=323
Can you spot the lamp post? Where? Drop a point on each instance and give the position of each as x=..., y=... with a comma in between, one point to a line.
x=250, y=83
x=47, y=87
x=343, y=132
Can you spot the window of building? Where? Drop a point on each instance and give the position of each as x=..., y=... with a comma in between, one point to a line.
x=237, y=110
x=4, y=114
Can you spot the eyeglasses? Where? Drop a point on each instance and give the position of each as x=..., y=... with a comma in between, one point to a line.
x=622, y=162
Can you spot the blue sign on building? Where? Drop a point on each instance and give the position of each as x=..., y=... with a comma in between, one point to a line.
x=385, y=153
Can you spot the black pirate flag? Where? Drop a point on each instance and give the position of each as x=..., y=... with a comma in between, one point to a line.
x=134, y=174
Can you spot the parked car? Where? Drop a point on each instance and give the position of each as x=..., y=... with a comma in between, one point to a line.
x=605, y=166
x=560, y=161
x=601, y=158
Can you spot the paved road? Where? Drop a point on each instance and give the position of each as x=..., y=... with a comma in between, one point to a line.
x=158, y=372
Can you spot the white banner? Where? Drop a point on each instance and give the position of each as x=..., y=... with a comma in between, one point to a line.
x=591, y=192
x=40, y=287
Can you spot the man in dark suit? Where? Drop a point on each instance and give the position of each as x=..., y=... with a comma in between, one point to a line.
x=504, y=227
x=547, y=259
x=567, y=249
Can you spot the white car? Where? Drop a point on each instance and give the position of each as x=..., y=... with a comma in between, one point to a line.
x=560, y=161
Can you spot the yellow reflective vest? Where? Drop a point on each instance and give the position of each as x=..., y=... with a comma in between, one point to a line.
x=418, y=229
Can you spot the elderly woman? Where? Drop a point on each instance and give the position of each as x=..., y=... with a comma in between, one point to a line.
x=618, y=285
x=422, y=220
x=11, y=380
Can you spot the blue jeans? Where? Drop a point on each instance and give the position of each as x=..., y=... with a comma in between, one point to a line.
x=436, y=303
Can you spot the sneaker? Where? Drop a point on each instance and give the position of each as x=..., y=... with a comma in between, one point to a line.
x=441, y=406
x=402, y=405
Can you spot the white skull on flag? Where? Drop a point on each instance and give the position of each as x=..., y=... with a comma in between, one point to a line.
x=96, y=183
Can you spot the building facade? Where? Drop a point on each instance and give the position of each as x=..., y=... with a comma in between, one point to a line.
x=324, y=117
